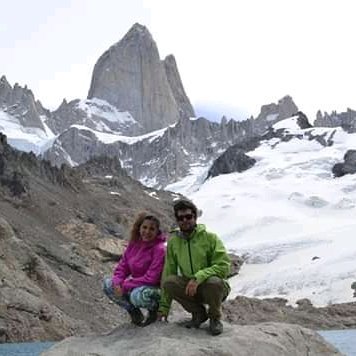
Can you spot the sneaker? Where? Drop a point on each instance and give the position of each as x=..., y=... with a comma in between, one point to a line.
x=215, y=327
x=136, y=316
x=151, y=318
x=197, y=320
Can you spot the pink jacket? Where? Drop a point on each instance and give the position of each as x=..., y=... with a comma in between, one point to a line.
x=141, y=264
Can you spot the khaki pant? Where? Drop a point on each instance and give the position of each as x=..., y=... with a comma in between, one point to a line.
x=211, y=292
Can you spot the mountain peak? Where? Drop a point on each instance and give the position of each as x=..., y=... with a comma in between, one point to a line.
x=137, y=34
x=139, y=29
x=131, y=77
x=3, y=80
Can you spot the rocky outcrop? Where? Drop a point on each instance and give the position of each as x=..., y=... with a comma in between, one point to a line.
x=102, y=166
x=20, y=103
x=346, y=120
x=25, y=280
x=272, y=113
x=302, y=121
x=95, y=114
x=15, y=168
x=353, y=287
x=162, y=339
x=247, y=311
x=232, y=160
x=236, y=263
x=131, y=77
x=348, y=166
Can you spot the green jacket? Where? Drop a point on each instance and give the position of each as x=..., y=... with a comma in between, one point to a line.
x=199, y=256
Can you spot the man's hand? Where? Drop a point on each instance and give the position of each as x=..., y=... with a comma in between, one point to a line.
x=117, y=291
x=191, y=288
x=162, y=317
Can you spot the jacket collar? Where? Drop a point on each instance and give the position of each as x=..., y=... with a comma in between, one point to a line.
x=198, y=228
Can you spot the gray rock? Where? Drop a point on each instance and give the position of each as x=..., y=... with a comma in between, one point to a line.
x=131, y=76
x=247, y=311
x=303, y=121
x=348, y=166
x=21, y=104
x=94, y=114
x=232, y=160
x=353, y=286
x=236, y=263
x=346, y=120
x=272, y=113
x=185, y=108
x=162, y=339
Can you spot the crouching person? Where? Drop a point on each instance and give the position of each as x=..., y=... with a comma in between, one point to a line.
x=136, y=278
x=195, y=269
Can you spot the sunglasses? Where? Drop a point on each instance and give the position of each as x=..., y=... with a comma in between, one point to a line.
x=185, y=217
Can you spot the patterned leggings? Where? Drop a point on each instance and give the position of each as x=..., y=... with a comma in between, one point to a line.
x=140, y=297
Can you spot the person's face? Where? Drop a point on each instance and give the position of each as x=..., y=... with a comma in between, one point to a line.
x=186, y=220
x=148, y=230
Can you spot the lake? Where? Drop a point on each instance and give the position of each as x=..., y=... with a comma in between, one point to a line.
x=344, y=340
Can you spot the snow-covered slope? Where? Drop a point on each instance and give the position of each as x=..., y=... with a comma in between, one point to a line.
x=293, y=221
x=25, y=138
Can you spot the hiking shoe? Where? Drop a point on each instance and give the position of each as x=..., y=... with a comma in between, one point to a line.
x=215, y=327
x=151, y=318
x=136, y=316
x=197, y=320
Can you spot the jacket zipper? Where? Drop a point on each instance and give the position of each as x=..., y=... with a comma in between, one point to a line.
x=190, y=258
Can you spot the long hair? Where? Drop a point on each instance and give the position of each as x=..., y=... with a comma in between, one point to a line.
x=135, y=230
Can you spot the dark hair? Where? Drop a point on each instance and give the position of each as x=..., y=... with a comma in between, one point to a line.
x=184, y=204
x=135, y=230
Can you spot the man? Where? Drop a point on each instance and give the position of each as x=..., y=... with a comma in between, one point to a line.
x=195, y=267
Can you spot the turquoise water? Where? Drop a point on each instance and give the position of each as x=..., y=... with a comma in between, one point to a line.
x=343, y=340
x=24, y=348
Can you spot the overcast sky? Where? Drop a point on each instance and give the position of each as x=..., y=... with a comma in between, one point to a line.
x=233, y=56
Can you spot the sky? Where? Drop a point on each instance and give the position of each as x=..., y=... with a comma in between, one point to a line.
x=233, y=56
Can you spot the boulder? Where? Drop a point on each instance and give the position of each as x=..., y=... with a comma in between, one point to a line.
x=236, y=263
x=346, y=167
x=232, y=160
x=353, y=286
x=160, y=339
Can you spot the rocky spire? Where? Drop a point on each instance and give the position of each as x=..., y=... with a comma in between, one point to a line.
x=131, y=76
x=20, y=103
x=276, y=112
x=185, y=108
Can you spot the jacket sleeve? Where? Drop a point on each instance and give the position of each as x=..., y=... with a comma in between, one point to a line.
x=219, y=261
x=170, y=268
x=152, y=276
x=122, y=270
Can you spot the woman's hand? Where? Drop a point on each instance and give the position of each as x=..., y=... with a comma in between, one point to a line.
x=117, y=291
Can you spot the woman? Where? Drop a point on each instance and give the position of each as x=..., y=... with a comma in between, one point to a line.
x=136, y=278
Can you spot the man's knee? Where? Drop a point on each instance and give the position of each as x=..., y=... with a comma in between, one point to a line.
x=214, y=283
x=170, y=282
